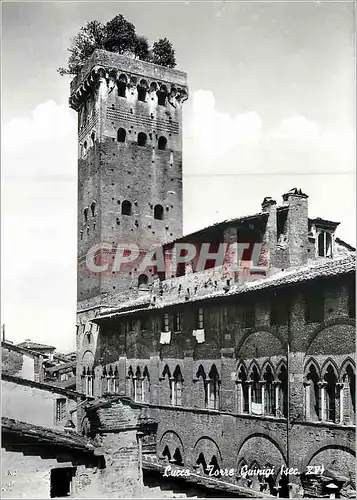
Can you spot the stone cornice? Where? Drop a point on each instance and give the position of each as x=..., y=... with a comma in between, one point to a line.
x=115, y=68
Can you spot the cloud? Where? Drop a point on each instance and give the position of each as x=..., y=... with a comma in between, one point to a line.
x=297, y=127
x=219, y=133
x=43, y=143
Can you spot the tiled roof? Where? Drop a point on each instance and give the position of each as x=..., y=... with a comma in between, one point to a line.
x=326, y=268
x=35, y=345
x=61, y=366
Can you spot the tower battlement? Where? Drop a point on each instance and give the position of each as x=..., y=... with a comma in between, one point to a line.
x=117, y=69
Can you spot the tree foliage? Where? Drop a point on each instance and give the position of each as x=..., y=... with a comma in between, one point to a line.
x=163, y=53
x=117, y=35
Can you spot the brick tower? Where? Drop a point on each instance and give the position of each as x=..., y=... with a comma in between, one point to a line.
x=129, y=173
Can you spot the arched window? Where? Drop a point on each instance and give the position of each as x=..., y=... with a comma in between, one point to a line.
x=167, y=387
x=283, y=391
x=350, y=383
x=158, y=212
x=313, y=400
x=138, y=385
x=166, y=454
x=130, y=382
x=142, y=90
x=177, y=387
x=202, y=464
x=243, y=392
x=177, y=457
x=213, y=389
x=256, y=392
x=201, y=379
x=92, y=208
x=122, y=82
x=126, y=208
x=145, y=391
x=161, y=96
x=121, y=135
x=88, y=377
x=142, y=138
x=330, y=394
x=162, y=143
x=143, y=281
x=85, y=214
x=213, y=467
x=269, y=392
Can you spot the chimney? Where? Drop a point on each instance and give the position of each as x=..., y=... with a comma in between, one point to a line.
x=297, y=226
x=270, y=235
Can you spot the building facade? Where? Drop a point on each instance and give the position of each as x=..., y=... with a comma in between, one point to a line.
x=244, y=369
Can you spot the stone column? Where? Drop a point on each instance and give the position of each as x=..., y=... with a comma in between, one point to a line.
x=322, y=387
x=277, y=398
x=249, y=383
x=262, y=384
x=307, y=386
x=339, y=389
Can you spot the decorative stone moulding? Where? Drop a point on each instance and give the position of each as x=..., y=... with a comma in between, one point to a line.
x=113, y=77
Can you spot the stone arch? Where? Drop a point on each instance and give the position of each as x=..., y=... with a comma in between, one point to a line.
x=327, y=362
x=173, y=441
x=260, y=438
x=208, y=447
x=347, y=361
x=330, y=445
x=276, y=342
x=251, y=367
x=88, y=358
x=312, y=361
x=265, y=366
x=321, y=340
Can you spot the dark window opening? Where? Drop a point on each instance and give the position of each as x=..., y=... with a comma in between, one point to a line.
x=61, y=482
x=324, y=243
x=146, y=323
x=314, y=380
x=61, y=404
x=85, y=214
x=158, y=212
x=142, y=138
x=249, y=317
x=256, y=386
x=245, y=393
x=165, y=323
x=143, y=282
x=161, y=98
x=177, y=321
x=126, y=208
x=142, y=94
x=314, y=305
x=92, y=139
x=121, y=135
x=283, y=390
x=122, y=86
x=269, y=392
x=351, y=377
x=92, y=208
x=331, y=380
x=201, y=462
x=178, y=457
x=281, y=218
x=162, y=143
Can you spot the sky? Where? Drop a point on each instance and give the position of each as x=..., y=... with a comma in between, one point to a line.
x=271, y=107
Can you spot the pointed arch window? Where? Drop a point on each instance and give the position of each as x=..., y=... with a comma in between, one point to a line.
x=85, y=215
x=145, y=391
x=330, y=380
x=130, y=382
x=350, y=383
x=88, y=379
x=167, y=385
x=138, y=396
x=313, y=409
x=243, y=391
x=213, y=389
x=256, y=387
x=176, y=392
x=283, y=392
x=92, y=208
x=269, y=391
